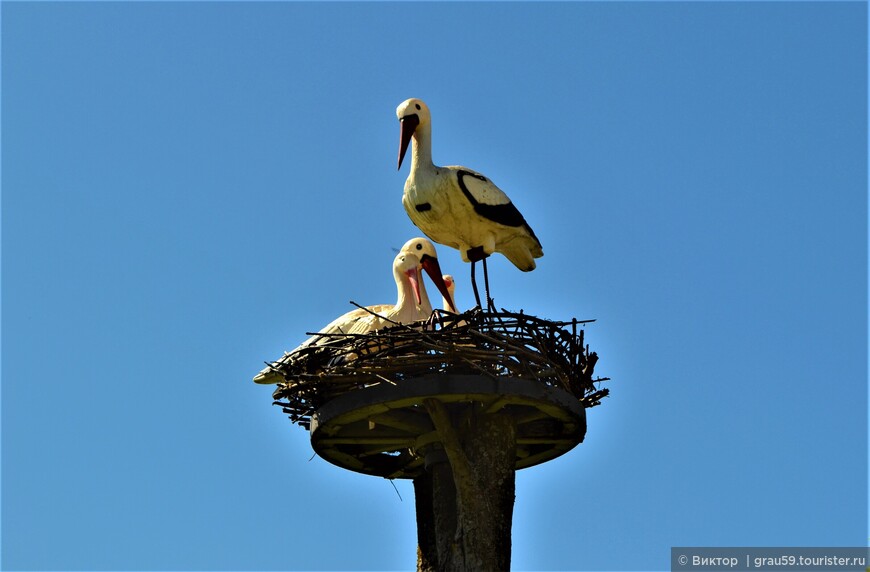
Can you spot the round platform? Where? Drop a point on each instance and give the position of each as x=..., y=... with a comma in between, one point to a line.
x=379, y=430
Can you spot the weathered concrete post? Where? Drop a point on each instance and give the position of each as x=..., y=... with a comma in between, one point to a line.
x=465, y=498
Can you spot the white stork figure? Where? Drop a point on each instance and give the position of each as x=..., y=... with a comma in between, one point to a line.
x=412, y=304
x=448, y=303
x=458, y=207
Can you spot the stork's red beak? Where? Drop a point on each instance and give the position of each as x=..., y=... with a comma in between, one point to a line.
x=409, y=125
x=433, y=269
x=414, y=279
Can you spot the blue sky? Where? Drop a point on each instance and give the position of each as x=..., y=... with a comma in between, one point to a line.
x=188, y=188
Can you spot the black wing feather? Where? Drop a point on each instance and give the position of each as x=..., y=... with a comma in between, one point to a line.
x=506, y=214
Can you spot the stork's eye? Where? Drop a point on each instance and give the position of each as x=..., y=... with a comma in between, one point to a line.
x=419, y=246
x=417, y=105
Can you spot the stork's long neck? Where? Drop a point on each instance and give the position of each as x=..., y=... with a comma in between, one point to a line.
x=449, y=304
x=421, y=151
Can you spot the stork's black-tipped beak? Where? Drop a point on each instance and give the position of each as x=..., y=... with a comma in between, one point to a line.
x=433, y=269
x=409, y=125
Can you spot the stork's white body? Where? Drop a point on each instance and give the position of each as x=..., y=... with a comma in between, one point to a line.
x=459, y=207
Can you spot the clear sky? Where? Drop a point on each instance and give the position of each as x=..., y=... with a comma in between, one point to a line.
x=188, y=188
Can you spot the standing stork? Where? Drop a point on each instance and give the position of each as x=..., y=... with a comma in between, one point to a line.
x=458, y=207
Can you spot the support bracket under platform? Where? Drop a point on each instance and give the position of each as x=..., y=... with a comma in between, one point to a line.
x=384, y=430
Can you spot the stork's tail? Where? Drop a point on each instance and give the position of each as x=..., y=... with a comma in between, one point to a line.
x=522, y=253
x=270, y=375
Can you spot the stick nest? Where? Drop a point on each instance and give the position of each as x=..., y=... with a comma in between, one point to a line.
x=494, y=344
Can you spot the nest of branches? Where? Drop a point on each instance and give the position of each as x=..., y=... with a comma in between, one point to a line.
x=494, y=344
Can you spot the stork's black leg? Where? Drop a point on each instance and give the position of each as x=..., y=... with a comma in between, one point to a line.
x=489, y=303
x=474, y=286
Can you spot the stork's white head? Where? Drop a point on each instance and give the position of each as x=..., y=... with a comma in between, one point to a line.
x=412, y=114
x=406, y=268
x=422, y=247
x=449, y=303
x=451, y=285
x=416, y=107
x=424, y=250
